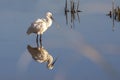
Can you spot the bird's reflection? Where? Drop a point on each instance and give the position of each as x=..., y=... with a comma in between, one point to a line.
x=73, y=11
x=41, y=55
x=114, y=14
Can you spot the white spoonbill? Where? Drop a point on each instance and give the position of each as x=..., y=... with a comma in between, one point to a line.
x=40, y=26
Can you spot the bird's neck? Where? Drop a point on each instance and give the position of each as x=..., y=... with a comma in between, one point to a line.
x=49, y=21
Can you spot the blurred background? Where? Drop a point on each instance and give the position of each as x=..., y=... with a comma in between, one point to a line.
x=87, y=41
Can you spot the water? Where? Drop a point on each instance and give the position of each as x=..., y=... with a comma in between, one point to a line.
x=88, y=51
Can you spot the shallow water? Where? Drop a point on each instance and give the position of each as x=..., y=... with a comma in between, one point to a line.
x=88, y=51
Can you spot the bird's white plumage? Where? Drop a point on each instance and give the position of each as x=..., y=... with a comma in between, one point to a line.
x=40, y=25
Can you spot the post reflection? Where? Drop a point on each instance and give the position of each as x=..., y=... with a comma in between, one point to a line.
x=41, y=55
x=74, y=9
x=114, y=14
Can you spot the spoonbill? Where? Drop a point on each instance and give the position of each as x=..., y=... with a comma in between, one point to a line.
x=39, y=26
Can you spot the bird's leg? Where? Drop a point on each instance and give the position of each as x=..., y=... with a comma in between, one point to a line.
x=37, y=40
x=41, y=40
x=40, y=43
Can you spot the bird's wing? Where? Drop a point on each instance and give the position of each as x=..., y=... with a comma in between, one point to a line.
x=36, y=26
x=39, y=24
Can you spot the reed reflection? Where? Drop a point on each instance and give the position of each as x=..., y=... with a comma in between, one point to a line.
x=41, y=55
x=114, y=14
x=73, y=11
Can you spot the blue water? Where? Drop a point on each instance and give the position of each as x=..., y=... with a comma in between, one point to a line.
x=88, y=51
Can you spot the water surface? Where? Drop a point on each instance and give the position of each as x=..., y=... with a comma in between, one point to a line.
x=88, y=51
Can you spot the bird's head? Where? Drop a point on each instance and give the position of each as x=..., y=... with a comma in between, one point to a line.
x=49, y=14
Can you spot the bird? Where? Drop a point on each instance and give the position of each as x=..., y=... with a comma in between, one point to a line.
x=39, y=26
x=40, y=54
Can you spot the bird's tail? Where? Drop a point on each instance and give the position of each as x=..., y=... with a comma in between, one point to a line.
x=29, y=31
